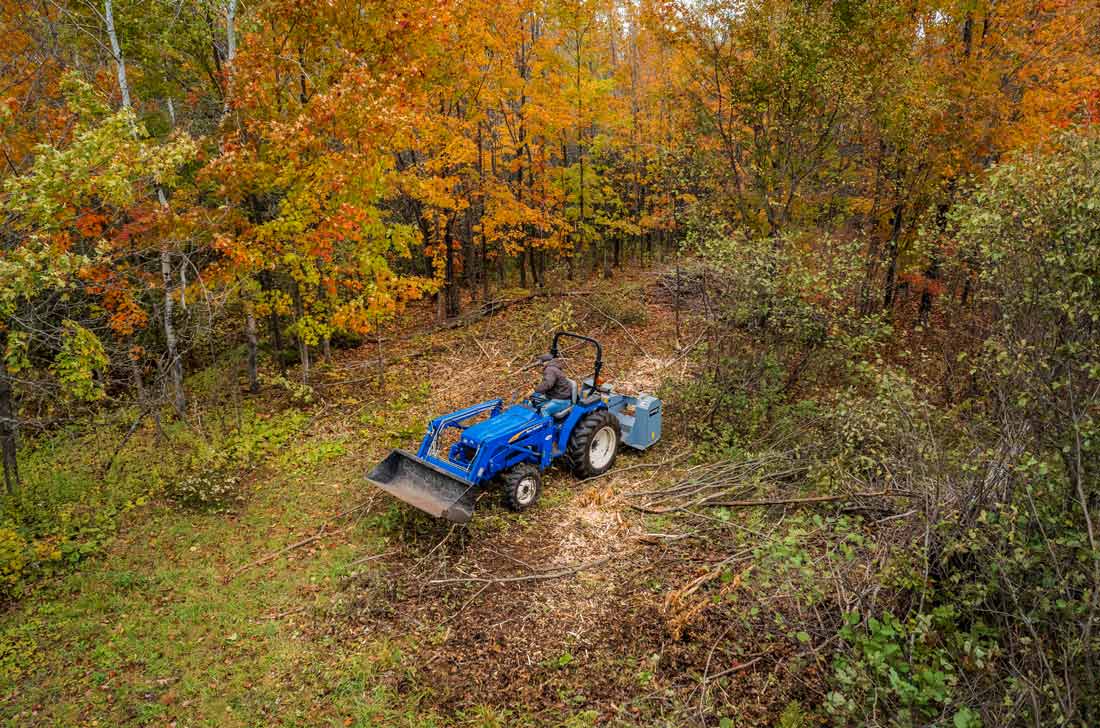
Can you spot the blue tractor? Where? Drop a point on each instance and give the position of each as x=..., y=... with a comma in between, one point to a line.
x=465, y=452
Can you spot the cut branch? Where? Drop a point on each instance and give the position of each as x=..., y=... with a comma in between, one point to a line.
x=553, y=574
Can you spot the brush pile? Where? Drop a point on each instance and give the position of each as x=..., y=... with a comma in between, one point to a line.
x=774, y=478
x=689, y=287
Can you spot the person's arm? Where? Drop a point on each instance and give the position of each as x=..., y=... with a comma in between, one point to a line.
x=549, y=379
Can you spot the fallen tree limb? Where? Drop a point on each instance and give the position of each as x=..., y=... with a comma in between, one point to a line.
x=616, y=471
x=274, y=555
x=735, y=668
x=792, y=501
x=555, y=574
x=371, y=557
x=810, y=500
x=321, y=532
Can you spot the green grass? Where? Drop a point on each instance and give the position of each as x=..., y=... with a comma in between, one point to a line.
x=151, y=632
x=143, y=627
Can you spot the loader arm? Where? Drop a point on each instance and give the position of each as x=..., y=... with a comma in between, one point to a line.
x=431, y=480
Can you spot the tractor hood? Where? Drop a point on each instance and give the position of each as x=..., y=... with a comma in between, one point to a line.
x=512, y=420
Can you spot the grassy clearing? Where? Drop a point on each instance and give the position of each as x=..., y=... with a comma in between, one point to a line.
x=151, y=632
x=159, y=624
x=190, y=613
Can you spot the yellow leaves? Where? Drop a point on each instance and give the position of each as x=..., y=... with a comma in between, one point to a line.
x=272, y=301
x=861, y=204
x=385, y=297
x=440, y=192
x=81, y=356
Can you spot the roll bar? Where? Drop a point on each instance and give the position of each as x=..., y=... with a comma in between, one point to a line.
x=587, y=340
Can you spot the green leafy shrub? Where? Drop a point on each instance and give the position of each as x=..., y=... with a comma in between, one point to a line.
x=214, y=476
x=905, y=673
x=19, y=649
x=78, y=362
x=299, y=392
x=13, y=556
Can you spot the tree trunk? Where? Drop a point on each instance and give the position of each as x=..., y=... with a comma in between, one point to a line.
x=250, y=333
x=303, y=347
x=450, y=286
x=381, y=361
x=534, y=269
x=931, y=274
x=468, y=255
x=890, y=286
x=230, y=52
x=484, y=270
x=676, y=303
x=9, y=430
x=136, y=380
x=274, y=326
x=116, y=50
x=175, y=363
x=580, y=194
x=483, y=257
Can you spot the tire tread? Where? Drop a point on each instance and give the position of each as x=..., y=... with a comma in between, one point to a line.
x=576, y=452
x=510, y=479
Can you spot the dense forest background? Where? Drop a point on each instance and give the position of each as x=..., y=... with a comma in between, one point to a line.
x=877, y=224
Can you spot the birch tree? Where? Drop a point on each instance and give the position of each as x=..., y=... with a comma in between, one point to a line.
x=175, y=363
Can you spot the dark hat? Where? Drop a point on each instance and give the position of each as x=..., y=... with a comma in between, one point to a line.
x=544, y=358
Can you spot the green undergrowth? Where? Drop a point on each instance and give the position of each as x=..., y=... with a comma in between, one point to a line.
x=78, y=482
x=173, y=621
x=163, y=627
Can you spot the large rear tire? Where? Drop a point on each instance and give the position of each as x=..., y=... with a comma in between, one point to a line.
x=593, y=445
x=522, y=485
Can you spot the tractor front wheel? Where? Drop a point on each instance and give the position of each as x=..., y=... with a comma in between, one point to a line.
x=593, y=444
x=522, y=486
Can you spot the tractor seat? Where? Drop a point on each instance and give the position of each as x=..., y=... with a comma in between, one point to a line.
x=574, y=397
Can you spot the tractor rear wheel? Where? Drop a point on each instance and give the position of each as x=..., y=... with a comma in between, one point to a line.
x=593, y=445
x=522, y=485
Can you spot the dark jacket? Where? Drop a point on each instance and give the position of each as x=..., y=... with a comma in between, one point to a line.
x=555, y=384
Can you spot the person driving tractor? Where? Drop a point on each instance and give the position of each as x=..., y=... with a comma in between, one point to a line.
x=555, y=390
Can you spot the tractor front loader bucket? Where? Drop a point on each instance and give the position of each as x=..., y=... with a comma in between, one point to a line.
x=424, y=486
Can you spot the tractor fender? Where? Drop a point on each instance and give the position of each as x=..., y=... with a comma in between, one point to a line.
x=579, y=413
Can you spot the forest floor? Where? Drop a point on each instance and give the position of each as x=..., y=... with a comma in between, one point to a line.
x=321, y=601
